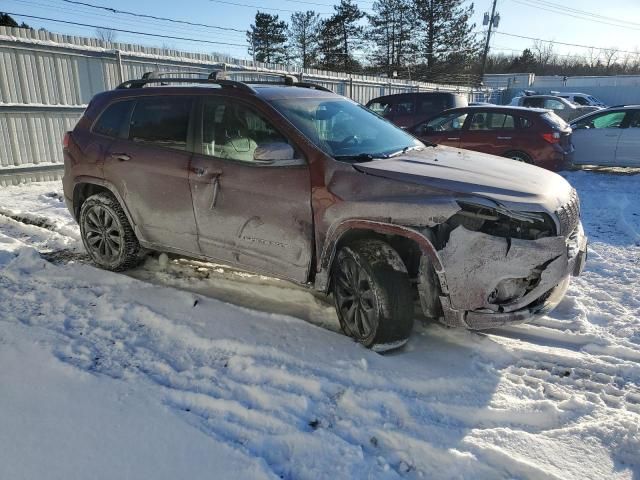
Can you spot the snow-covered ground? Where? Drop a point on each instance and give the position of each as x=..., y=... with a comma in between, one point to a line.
x=193, y=370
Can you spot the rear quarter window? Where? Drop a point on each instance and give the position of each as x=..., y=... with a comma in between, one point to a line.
x=113, y=119
x=162, y=121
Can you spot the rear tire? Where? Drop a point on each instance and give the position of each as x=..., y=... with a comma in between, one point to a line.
x=372, y=294
x=519, y=157
x=107, y=234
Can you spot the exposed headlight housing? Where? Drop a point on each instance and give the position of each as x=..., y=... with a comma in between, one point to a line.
x=499, y=221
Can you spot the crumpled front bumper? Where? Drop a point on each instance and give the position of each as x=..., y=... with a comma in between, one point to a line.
x=475, y=263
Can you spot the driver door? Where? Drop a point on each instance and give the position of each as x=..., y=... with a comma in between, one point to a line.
x=251, y=213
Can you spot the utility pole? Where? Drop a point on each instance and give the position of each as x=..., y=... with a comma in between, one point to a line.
x=493, y=20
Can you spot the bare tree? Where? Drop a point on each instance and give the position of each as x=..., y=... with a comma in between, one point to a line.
x=544, y=52
x=106, y=34
x=610, y=56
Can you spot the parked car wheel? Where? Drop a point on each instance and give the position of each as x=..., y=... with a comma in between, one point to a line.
x=519, y=157
x=372, y=294
x=107, y=234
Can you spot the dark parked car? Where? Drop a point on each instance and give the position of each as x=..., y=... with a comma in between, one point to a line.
x=406, y=109
x=530, y=135
x=303, y=184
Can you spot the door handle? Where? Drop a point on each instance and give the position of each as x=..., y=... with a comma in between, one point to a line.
x=453, y=138
x=199, y=171
x=504, y=138
x=216, y=189
x=123, y=157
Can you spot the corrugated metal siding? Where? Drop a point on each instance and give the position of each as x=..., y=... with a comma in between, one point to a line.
x=40, y=69
x=33, y=136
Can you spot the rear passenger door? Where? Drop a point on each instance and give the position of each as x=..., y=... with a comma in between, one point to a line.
x=149, y=166
x=250, y=213
x=628, y=150
x=489, y=132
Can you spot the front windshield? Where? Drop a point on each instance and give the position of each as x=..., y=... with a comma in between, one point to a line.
x=344, y=129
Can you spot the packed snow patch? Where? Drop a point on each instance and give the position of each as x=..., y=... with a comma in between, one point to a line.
x=186, y=369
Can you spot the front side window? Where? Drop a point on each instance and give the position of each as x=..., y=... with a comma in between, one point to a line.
x=552, y=104
x=604, y=120
x=492, y=121
x=447, y=123
x=162, y=121
x=344, y=129
x=233, y=131
x=113, y=120
x=533, y=102
x=381, y=108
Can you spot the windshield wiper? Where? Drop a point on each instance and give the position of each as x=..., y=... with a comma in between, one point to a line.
x=360, y=157
x=403, y=151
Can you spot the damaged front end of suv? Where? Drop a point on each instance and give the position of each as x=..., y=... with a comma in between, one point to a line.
x=498, y=240
x=498, y=266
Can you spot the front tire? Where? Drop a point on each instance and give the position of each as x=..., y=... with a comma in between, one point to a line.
x=519, y=157
x=372, y=294
x=107, y=234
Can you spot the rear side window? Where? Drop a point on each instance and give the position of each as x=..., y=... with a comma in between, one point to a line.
x=580, y=101
x=162, y=121
x=554, y=121
x=113, y=119
x=433, y=105
x=552, y=104
x=492, y=121
x=405, y=107
x=525, y=122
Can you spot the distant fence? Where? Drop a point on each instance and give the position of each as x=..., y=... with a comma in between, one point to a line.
x=46, y=79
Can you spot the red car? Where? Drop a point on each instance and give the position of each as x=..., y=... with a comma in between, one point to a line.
x=530, y=135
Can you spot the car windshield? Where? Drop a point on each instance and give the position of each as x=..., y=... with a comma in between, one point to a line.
x=344, y=129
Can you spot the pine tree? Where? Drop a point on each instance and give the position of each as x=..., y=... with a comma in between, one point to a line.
x=339, y=34
x=392, y=29
x=303, y=37
x=7, y=20
x=267, y=38
x=448, y=41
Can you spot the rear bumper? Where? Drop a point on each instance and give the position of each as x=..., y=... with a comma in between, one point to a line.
x=555, y=267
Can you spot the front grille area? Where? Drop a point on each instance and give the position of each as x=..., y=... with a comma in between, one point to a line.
x=569, y=214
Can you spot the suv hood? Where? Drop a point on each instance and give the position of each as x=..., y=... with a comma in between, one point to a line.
x=513, y=184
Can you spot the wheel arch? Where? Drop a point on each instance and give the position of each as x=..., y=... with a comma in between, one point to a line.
x=410, y=244
x=86, y=186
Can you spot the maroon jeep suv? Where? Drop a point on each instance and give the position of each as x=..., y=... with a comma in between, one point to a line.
x=297, y=182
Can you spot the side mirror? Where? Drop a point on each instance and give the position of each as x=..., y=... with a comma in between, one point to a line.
x=280, y=152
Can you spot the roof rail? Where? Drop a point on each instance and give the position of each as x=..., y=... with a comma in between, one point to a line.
x=156, y=77
x=219, y=77
x=287, y=78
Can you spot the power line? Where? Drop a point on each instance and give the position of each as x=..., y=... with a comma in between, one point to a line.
x=127, y=31
x=143, y=15
x=563, y=43
x=263, y=8
x=582, y=12
x=80, y=14
x=573, y=15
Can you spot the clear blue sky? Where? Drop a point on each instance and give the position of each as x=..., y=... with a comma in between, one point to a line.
x=517, y=17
